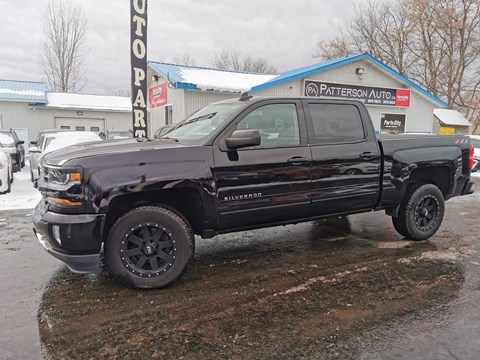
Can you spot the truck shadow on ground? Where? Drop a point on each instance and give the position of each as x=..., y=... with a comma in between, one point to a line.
x=304, y=291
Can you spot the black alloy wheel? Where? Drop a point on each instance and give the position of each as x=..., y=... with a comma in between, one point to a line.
x=426, y=213
x=148, y=249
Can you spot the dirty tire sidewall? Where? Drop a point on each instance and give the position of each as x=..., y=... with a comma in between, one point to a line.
x=406, y=220
x=180, y=229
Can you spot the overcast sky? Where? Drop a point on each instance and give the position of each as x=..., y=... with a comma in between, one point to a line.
x=282, y=32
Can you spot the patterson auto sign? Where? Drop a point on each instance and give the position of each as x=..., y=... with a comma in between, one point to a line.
x=368, y=95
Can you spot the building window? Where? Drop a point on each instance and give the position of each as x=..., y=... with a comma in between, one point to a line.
x=336, y=123
x=65, y=127
x=94, y=128
x=392, y=123
x=80, y=128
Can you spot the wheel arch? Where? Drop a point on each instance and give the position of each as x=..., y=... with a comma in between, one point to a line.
x=440, y=176
x=186, y=202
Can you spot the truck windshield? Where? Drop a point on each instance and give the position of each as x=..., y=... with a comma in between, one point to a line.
x=203, y=122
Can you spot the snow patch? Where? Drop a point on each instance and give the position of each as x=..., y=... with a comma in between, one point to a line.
x=208, y=79
x=23, y=195
x=22, y=92
x=394, y=244
x=446, y=255
x=89, y=102
x=333, y=279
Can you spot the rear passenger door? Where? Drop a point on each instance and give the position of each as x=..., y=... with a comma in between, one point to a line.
x=345, y=157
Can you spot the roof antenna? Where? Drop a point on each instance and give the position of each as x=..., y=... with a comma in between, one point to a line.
x=245, y=96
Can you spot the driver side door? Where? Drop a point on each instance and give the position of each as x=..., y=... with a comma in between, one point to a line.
x=269, y=183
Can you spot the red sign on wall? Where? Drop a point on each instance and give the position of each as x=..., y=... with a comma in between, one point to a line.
x=157, y=95
x=402, y=98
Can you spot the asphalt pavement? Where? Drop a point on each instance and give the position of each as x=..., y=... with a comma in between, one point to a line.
x=346, y=288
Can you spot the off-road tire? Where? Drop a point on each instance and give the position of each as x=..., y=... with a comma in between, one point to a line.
x=421, y=212
x=134, y=237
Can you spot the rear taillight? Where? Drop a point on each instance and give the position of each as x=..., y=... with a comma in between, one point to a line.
x=470, y=157
x=1, y=165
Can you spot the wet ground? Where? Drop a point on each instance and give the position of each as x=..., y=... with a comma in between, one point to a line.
x=347, y=288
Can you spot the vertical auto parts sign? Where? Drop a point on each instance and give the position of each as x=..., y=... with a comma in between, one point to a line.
x=138, y=59
x=366, y=94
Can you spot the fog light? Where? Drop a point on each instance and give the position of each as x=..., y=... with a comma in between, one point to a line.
x=56, y=234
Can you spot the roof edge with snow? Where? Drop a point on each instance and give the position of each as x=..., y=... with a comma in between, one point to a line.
x=208, y=79
x=451, y=117
x=86, y=102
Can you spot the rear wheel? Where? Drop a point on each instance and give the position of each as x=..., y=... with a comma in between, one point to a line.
x=421, y=212
x=149, y=247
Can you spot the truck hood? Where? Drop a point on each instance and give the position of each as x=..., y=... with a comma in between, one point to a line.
x=62, y=156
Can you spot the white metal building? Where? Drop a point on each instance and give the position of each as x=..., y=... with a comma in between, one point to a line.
x=395, y=103
x=28, y=108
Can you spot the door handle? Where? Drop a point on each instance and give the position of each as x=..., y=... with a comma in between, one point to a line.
x=367, y=155
x=297, y=160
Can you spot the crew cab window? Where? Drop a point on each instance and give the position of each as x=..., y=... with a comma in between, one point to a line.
x=277, y=124
x=336, y=123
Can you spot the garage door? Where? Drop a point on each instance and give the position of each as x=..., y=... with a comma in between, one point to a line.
x=77, y=124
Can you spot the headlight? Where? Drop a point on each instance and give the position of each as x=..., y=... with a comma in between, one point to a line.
x=62, y=187
x=63, y=179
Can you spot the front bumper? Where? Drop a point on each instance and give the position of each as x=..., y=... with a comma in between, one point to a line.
x=75, y=239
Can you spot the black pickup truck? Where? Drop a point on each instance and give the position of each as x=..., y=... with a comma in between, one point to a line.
x=235, y=165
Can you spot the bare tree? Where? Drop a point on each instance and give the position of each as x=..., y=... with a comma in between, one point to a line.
x=185, y=59
x=334, y=48
x=117, y=92
x=63, y=51
x=434, y=42
x=383, y=30
x=231, y=59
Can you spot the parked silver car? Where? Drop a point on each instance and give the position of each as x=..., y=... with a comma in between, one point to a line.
x=13, y=146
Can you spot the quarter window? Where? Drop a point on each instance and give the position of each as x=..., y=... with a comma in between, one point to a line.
x=277, y=124
x=336, y=123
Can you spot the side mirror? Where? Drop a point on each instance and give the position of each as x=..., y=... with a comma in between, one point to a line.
x=20, y=142
x=243, y=138
x=34, y=150
x=33, y=142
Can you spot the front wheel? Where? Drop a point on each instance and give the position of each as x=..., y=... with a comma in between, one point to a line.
x=421, y=212
x=149, y=247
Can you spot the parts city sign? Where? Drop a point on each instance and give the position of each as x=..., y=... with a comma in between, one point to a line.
x=138, y=59
x=366, y=94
